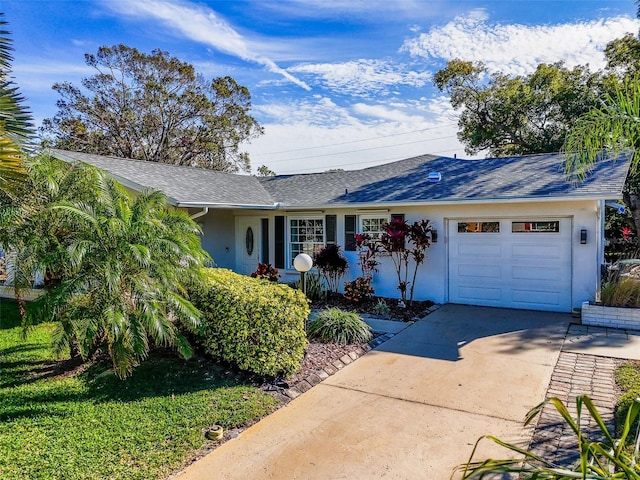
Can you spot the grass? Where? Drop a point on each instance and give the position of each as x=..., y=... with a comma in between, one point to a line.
x=628, y=379
x=621, y=292
x=89, y=426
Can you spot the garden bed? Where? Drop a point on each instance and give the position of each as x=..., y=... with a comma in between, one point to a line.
x=417, y=309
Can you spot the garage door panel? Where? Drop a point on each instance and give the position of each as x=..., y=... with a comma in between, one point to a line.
x=477, y=293
x=511, y=269
x=538, y=250
x=470, y=249
x=537, y=273
x=533, y=297
x=482, y=271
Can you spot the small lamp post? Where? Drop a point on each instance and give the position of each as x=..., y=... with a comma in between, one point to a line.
x=303, y=263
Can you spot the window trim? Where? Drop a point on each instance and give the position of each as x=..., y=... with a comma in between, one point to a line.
x=378, y=216
x=289, y=243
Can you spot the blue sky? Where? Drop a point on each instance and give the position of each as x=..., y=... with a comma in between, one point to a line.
x=336, y=83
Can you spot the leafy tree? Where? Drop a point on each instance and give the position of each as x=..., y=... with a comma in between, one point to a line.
x=264, y=171
x=155, y=108
x=516, y=115
x=115, y=267
x=15, y=121
x=623, y=55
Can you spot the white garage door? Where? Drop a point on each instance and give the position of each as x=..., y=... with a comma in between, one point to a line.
x=520, y=263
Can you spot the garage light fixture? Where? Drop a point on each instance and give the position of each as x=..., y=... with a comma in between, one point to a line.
x=583, y=237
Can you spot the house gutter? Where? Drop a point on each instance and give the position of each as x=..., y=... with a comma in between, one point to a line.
x=229, y=206
x=199, y=214
x=383, y=204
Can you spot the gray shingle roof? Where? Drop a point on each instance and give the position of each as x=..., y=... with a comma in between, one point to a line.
x=183, y=185
x=406, y=181
x=402, y=182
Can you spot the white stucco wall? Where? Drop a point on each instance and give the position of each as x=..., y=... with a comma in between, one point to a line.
x=432, y=281
x=218, y=227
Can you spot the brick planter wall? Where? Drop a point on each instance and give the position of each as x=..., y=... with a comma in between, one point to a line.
x=616, y=317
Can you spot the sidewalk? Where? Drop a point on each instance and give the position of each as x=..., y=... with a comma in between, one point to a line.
x=586, y=365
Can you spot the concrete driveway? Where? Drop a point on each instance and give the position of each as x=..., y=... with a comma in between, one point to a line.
x=412, y=408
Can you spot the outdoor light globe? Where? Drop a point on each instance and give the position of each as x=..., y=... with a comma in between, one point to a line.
x=302, y=262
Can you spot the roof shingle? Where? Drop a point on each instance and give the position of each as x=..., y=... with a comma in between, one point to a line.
x=402, y=182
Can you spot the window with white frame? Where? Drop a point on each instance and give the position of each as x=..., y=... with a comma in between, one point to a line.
x=306, y=235
x=372, y=225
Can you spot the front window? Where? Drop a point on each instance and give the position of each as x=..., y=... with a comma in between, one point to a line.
x=373, y=226
x=306, y=235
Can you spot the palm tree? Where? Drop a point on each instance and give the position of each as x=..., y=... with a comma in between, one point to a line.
x=613, y=128
x=16, y=126
x=115, y=267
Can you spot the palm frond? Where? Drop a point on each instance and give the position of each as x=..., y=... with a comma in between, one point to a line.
x=609, y=130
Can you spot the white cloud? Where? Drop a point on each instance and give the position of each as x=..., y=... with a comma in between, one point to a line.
x=381, y=112
x=364, y=77
x=317, y=111
x=203, y=25
x=518, y=49
x=317, y=134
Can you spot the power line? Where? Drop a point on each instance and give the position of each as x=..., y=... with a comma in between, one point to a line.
x=352, y=141
x=382, y=162
x=363, y=149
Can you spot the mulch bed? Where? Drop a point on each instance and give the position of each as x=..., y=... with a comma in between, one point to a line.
x=411, y=311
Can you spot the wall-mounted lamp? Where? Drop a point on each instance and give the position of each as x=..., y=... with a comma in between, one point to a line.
x=583, y=237
x=434, y=236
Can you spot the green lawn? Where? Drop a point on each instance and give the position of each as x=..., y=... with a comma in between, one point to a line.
x=628, y=379
x=88, y=427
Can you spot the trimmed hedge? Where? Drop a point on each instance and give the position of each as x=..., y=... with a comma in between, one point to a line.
x=254, y=324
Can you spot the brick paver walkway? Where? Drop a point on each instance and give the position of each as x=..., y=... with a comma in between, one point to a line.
x=574, y=374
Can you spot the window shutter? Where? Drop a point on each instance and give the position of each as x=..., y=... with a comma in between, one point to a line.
x=265, y=240
x=398, y=245
x=279, y=242
x=330, y=226
x=350, y=233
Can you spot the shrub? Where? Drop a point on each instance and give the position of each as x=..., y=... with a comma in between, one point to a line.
x=315, y=287
x=257, y=326
x=331, y=264
x=358, y=289
x=628, y=379
x=623, y=292
x=266, y=272
x=382, y=309
x=335, y=325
